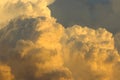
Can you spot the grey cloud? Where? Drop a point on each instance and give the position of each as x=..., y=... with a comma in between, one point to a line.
x=92, y=13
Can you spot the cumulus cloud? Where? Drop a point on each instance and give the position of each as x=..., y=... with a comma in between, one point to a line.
x=33, y=46
x=10, y=9
x=32, y=49
x=5, y=72
x=90, y=54
x=117, y=41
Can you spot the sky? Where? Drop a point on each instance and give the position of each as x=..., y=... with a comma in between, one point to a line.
x=38, y=42
x=97, y=13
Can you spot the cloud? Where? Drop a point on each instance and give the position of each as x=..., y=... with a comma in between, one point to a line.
x=117, y=43
x=33, y=46
x=11, y=9
x=90, y=54
x=5, y=72
x=29, y=52
x=91, y=13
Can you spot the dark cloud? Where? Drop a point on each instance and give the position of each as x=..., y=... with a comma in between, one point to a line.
x=97, y=13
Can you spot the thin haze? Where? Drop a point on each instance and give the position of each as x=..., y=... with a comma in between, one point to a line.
x=92, y=13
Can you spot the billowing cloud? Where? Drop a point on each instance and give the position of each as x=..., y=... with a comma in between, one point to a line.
x=90, y=54
x=33, y=46
x=10, y=9
x=117, y=41
x=5, y=72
